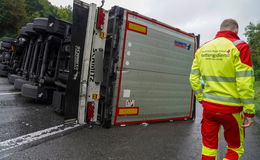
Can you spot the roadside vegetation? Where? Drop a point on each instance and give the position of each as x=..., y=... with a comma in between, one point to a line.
x=16, y=13
x=257, y=94
x=253, y=38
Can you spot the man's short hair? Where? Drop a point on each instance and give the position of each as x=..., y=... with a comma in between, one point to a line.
x=229, y=24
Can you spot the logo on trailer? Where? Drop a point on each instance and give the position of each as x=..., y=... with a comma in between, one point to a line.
x=182, y=45
x=92, y=67
x=76, y=62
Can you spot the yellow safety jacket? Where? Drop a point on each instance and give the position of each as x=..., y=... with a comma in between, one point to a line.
x=226, y=68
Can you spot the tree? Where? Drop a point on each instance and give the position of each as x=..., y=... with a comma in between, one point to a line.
x=39, y=8
x=43, y=8
x=65, y=13
x=253, y=38
x=16, y=13
x=12, y=16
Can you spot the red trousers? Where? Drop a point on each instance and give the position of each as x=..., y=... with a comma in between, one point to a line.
x=233, y=133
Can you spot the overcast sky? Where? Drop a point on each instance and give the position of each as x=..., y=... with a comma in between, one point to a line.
x=196, y=16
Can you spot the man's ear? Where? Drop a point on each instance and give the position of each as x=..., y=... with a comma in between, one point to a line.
x=236, y=30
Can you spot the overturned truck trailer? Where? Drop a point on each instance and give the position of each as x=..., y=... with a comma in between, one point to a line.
x=127, y=68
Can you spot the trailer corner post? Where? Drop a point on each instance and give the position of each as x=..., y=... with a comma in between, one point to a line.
x=85, y=65
x=95, y=77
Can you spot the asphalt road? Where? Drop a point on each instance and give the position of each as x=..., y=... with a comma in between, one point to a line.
x=178, y=140
x=20, y=116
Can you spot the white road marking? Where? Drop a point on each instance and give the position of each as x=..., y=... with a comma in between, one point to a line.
x=10, y=93
x=28, y=138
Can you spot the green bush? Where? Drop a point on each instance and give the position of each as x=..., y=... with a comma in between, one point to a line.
x=257, y=95
x=257, y=74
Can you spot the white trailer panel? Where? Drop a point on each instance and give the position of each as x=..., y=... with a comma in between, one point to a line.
x=153, y=72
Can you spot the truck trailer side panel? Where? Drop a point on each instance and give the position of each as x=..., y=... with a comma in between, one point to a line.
x=153, y=72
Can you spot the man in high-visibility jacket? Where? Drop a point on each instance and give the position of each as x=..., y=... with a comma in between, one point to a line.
x=228, y=96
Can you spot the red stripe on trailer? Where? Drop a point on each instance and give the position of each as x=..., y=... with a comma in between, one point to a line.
x=154, y=120
x=122, y=65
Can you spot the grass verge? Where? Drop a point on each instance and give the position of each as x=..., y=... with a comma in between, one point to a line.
x=257, y=95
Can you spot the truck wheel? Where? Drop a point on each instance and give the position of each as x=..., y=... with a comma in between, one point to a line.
x=7, y=39
x=40, y=24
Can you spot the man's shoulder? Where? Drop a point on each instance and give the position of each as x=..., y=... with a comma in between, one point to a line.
x=206, y=44
x=241, y=45
x=239, y=42
x=236, y=42
x=244, y=52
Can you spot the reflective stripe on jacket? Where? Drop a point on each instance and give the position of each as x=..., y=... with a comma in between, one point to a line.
x=226, y=68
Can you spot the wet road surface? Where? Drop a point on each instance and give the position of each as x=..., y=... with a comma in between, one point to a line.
x=178, y=140
x=20, y=116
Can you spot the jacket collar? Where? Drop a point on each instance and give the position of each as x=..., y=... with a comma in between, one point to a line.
x=227, y=34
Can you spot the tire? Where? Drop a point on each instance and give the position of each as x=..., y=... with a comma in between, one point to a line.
x=29, y=29
x=18, y=83
x=7, y=39
x=3, y=73
x=3, y=67
x=40, y=24
x=13, y=77
x=30, y=91
x=22, y=32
